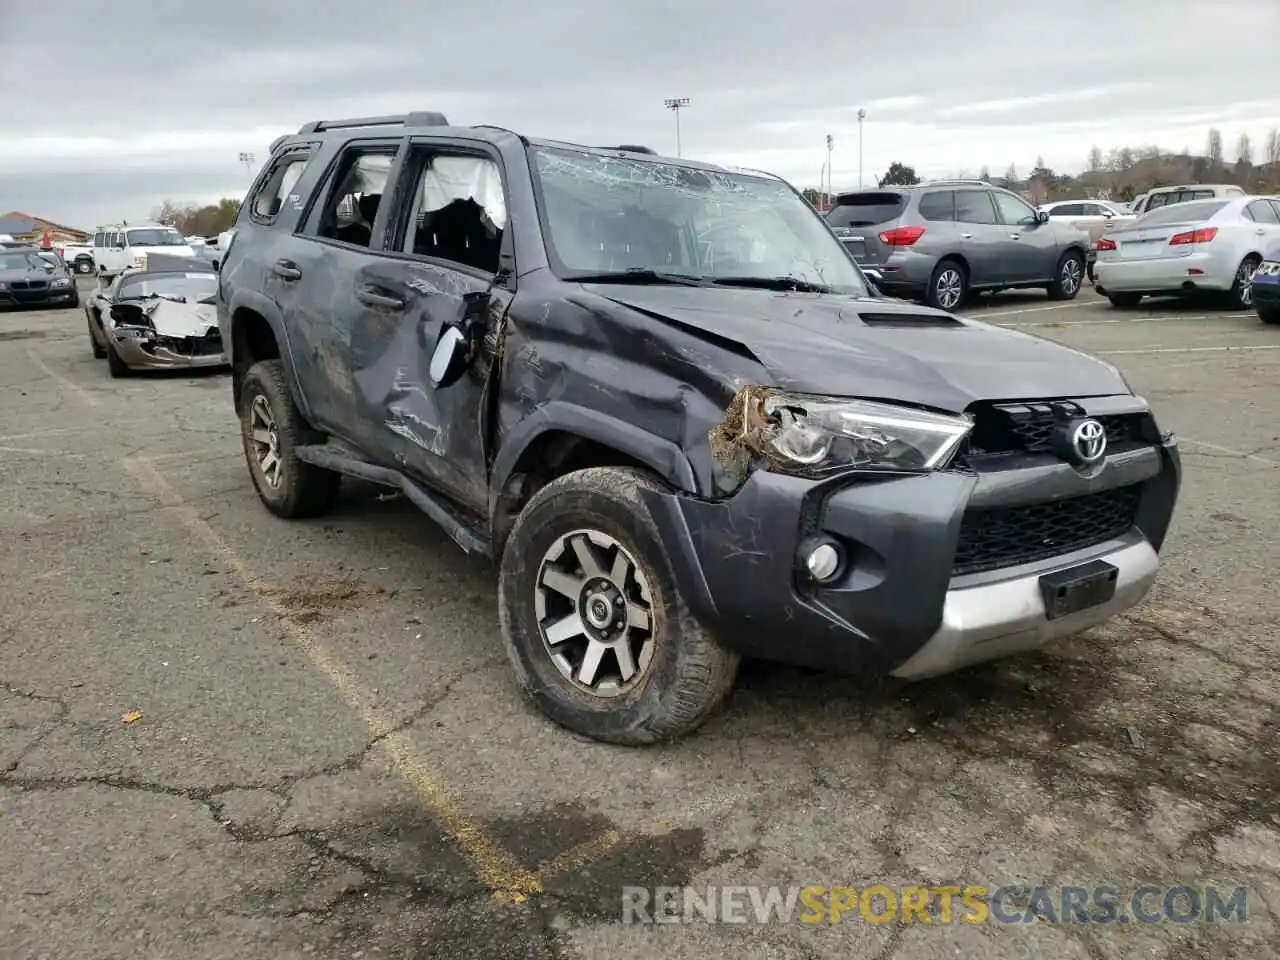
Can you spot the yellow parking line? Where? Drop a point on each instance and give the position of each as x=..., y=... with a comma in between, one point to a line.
x=579, y=856
x=497, y=870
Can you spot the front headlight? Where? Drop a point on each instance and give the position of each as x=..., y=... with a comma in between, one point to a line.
x=61, y=282
x=822, y=434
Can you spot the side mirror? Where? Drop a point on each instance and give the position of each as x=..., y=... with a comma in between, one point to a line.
x=449, y=361
x=1042, y=216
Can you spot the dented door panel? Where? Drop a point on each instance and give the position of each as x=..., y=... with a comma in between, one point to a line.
x=435, y=436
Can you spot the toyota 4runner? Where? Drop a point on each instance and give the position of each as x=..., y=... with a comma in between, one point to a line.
x=661, y=396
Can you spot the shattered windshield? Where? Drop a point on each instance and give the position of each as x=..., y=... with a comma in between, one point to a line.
x=664, y=221
x=155, y=238
x=182, y=287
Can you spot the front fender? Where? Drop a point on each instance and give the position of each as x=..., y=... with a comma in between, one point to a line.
x=662, y=456
x=267, y=309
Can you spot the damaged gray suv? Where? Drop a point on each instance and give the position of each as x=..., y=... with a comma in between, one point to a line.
x=661, y=395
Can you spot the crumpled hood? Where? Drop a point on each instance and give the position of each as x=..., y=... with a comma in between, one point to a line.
x=34, y=273
x=821, y=344
x=173, y=319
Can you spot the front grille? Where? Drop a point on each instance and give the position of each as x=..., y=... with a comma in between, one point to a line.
x=1027, y=427
x=206, y=346
x=29, y=285
x=995, y=537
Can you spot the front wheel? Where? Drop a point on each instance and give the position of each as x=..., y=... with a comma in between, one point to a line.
x=593, y=622
x=1269, y=315
x=117, y=367
x=1068, y=278
x=948, y=286
x=84, y=266
x=1240, y=297
x=272, y=428
x=98, y=352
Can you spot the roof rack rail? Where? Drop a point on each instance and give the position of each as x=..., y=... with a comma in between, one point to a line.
x=634, y=148
x=976, y=183
x=418, y=118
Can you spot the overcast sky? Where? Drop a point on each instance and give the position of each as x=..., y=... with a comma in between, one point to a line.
x=129, y=102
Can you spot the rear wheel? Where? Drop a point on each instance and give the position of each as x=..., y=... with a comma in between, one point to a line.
x=1240, y=296
x=272, y=428
x=593, y=622
x=1069, y=277
x=84, y=266
x=948, y=287
x=1124, y=300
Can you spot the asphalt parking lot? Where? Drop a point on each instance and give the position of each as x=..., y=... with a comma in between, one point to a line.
x=332, y=759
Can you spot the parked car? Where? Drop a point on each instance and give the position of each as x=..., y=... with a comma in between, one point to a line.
x=160, y=315
x=30, y=277
x=1266, y=287
x=657, y=392
x=1094, y=217
x=1165, y=196
x=1189, y=248
x=120, y=246
x=943, y=239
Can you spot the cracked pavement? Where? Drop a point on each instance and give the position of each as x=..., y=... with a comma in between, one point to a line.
x=333, y=760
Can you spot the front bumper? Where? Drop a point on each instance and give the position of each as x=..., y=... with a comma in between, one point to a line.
x=47, y=297
x=898, y=608
x=1197, y=271
x=1266, y=291
x=160, y=353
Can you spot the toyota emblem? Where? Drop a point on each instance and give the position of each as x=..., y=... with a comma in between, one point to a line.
x=1089, y=441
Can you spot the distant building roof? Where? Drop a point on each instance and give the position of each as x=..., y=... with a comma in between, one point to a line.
x=18, y=223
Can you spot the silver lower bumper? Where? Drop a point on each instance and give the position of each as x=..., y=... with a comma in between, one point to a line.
x=1008, y=616
x=159, y=357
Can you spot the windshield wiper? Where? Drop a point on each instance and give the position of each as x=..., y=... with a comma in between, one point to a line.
x=638, y=275
x=773, y=283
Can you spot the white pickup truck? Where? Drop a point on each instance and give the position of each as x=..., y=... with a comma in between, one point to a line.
x=77, y=256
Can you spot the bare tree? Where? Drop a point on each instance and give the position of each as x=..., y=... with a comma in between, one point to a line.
x=984, y=173
x=1095, y=159
x=1244, y=150
x=1214, y=145
x=1273, y=145
x=1124, y=158
x=1011, y=175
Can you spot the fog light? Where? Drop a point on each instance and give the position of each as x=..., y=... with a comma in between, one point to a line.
x=823, y=561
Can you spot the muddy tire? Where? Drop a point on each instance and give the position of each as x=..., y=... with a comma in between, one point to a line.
x=586, y=547
x=117, y=367
x=1125, y=301
x=1269, y=315
x=271, y=429
x=98, y=352
x=1069, y=277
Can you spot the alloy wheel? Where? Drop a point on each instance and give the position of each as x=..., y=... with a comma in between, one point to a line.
x=266, y=441
x=1070, y=276
x=949, y=288
x=595, y=613
x=1244, y=276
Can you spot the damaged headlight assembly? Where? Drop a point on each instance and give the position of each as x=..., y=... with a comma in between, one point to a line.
x=815, y=434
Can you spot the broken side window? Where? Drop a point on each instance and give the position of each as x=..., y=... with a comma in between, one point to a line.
x=458, y=210
x=269, y=199
x=352, y=203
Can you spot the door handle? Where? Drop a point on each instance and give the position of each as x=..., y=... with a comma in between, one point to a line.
x=370, y=297
x=1260, y=231
x=1015, y=236
x=286, y=270
x=966, y=236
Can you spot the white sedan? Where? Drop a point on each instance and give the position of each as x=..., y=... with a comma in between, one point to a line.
x=1201, y=246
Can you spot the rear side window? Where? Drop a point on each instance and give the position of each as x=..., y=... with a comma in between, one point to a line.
x=1184, y=212
x=1068, y=210
x=938, y=205
x=866, y=209
x=271, y=195
x=1261, y=211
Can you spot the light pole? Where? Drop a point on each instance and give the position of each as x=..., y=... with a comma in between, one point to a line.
x=862, y=115
x=675, y=105
x=830, y=143
x=822, y=185
x=247, y=159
